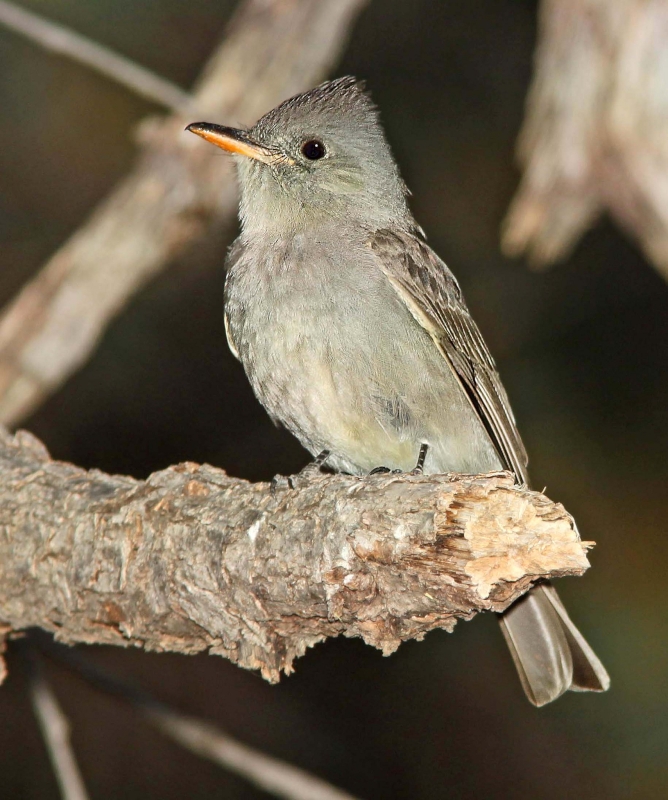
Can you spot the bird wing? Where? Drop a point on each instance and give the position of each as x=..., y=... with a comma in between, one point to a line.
x=233, y=255
x=435, y=300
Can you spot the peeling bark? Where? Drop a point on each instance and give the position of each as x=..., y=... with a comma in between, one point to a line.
x=192, y=560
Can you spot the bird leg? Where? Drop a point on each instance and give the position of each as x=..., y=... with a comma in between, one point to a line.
x=419, y=467
x=310, y=469
x=319, y=460
x=317, y=463
x=279, y=482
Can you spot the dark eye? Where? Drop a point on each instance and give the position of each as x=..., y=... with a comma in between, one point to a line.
x=313, y=149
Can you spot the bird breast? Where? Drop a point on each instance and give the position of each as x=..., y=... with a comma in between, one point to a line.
x=335, y=356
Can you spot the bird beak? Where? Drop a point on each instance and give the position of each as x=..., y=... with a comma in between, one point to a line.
x=232, y=140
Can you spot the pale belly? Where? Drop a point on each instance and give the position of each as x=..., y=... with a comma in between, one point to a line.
x=341, y=363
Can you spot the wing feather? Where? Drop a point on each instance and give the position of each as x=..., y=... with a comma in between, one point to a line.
x=233, y=255
x=435, y=300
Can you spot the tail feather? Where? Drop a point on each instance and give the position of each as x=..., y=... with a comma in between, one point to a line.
x=550, y=653
x=589, y=674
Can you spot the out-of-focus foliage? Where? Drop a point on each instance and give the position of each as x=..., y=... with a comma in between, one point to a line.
x=583, y=351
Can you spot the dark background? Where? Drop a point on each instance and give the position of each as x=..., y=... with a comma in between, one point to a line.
x=583, y=350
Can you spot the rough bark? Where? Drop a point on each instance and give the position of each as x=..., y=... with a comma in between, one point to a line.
x=192, y=560
x=595, y=136
x=273, y=49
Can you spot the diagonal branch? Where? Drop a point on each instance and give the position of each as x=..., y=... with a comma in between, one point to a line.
x=193, y=560
x=273, y=48
x=276, y=777
x=56, y=731
x=65, y=42
x=271, y=774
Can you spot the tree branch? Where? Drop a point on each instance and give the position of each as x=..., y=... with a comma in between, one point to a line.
x=274, y=776
x=194, y=560
x=594, y=135
x=199, y=736
x=273, y=49
x=65, y=42
x=55, y=729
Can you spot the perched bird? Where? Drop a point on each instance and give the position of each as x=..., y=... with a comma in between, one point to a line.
x=355, y=335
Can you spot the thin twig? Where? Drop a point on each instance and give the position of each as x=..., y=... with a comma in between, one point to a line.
x=56, y=732
x=200, y=737
x=65, y=42
x=274, y=776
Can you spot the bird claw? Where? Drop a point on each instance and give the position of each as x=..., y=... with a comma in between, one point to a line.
x=309, y=471
x=384, y=471
x=279, y=483
x=418, y=469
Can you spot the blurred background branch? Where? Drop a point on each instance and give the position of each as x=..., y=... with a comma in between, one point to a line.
x=269, y=774
x=272, y=49
x=595, y=136
x=200, y=737
x=66, y=42
x=56, y=732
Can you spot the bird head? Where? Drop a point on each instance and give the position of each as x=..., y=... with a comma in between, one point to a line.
x=320, y=156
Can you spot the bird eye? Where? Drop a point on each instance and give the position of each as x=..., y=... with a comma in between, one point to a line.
x=313, y=149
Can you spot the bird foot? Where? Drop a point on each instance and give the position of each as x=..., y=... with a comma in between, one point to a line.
x=384, y=471
x=417, y=469
x=279, y=483
x=309, y=471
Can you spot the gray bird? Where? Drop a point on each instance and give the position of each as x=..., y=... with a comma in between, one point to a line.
x=355, y=335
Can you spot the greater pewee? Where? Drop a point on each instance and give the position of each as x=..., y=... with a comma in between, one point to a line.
x=355, y=335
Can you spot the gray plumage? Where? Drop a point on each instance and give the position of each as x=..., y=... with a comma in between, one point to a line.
x=355, y=335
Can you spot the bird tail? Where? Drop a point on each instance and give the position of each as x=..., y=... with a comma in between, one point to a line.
x=550, y=653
